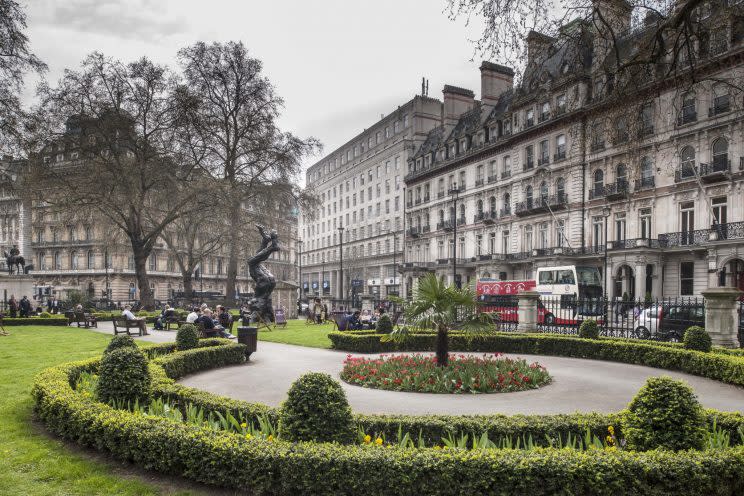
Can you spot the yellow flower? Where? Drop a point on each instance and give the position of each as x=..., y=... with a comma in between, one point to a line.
x=611, y=430
x=243, y=425
x=248, y=436
x=367, y=439
x=437, y=447
x=270, y=438
x=378, y=441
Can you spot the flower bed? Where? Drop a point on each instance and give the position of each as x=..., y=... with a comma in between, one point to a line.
x=464, y=374
x=259, y=465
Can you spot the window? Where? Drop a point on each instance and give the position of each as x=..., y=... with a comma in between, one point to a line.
x=687, y=162
x=506, y=169
x=560, y=233
x=560, y=103
x=597, y=136
x=560, y=147
x=598, y=182
x=57, y=260
x=543, y=236
x=621, y=130
x=560, y=189
x=41, y=259
x=463, y=183
x=688, y=113
x=528, y=196
x=647, y=173
x=479, y=179
x=621, y=176
x=620, y=226
x=543, y=193
x=598, y=231
x=645, y=223
x=91, y=262
x=647, y=120
x=73, y=260
x=529, y=157
x=687, y=222
x=527, y=238
x=153, y=262
x=506, y=210
x=492, y=205
x=544, y=152
x=529, y=118
x=686, y=278
x=545, y=111
x=720, y=154
x=505, y=242
x=492, y=243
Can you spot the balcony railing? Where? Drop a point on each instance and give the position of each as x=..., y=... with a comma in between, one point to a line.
x=426, y=228
x=696, y=237
x=446, y=225
x=418, y=201
x=541, y=204
x=559, y=155
x=461, y=221
x=505, y=211
x=645, y=183
x=414, y=232
x=426, y=198
x=409, y=204
x=646, y=131
x=521, y=255
x=485, y=217
x=529, y=164
x=543, y=117
x=492, y=179
x=616, y=190
x=625, y=244
x=687, y=117
x=440, y=195
x=505, y=174
x=529, y=123
x=479, y=182
x=719, y=168
x=597, y=146
x=543, y=161
x=718, y=108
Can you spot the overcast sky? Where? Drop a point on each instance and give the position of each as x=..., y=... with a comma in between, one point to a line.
x=337, y=64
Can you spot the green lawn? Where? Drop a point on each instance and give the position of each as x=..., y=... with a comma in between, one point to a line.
x=299, y=333
x=32, y=462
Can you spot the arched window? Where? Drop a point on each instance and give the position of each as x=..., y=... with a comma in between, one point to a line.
x=492, y=204
x=528, y=196
x=480, y=207
x=687, y=162
x=91, y=260
x=598, y=182
x=543, y=191
x=462, y=211
x=720, y=154
x=560, y=188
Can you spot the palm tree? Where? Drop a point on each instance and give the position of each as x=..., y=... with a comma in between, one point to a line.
x=441, y=307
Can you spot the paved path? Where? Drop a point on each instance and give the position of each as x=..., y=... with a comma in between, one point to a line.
x=578, y=385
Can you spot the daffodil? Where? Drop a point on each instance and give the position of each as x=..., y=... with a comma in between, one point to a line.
x=367, y=439
x=270, y=438
x=378, y=441
x=243, y=425
x=248, y=436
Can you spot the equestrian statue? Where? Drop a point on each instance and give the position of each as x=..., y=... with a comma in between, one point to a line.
x=260, y=305
x=15, y=258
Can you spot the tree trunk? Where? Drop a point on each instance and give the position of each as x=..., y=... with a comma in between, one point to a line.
x=188, y=284
x=232, y=262
x=147, y=301
x=442, y=347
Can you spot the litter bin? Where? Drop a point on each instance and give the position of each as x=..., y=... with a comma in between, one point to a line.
x=249, y=337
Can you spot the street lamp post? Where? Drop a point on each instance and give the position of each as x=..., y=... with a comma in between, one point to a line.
x=454, y=192
x=341, y=262
x=395, y=264
x=299, y=277
x=322, y=274
x=606, y=213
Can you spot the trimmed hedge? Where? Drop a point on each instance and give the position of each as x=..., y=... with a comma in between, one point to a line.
x=280, y=467
x=727, y=368
x=40, y=321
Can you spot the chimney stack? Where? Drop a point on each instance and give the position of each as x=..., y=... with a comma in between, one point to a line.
x=495, y=80
x=457, y=101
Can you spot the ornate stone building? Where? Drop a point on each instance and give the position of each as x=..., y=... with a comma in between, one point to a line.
x=361, y=192
x=558, y=170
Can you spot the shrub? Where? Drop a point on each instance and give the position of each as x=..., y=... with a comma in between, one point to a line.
x=45, y=315
x=664, y=414
x=316, y=410
x=384, y=324
x=143, y=313
x=696, y=338
x=187, y=337
x=124, y=377
x=589, y=329
x=120, y=341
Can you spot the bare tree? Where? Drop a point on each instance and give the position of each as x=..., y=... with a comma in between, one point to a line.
x=108, y=139
x=16, y=59
x=234, y=136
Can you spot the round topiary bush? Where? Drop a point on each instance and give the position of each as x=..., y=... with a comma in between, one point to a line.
x=124, y=378
x=384, y=324
x=316, y=410
x=187, y=337
x=118, y=342
x=696, y=338
x=45, y=315
x=664, y=414
x=589, y=329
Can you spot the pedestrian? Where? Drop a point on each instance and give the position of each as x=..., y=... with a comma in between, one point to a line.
x=127, y=313
x=13, y=306
x=25, y=306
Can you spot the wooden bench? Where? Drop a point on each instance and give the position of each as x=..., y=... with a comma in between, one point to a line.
x=174, y=321
x=122, y=326
x=83, y=319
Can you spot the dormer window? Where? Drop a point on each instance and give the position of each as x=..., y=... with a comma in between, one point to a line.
x=529, y=118
x=463, y=145
x=545, y=111
x=560, y=103
x=507, y=127
x=452, y=150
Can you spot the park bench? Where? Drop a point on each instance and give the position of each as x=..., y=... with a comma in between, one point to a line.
x=174, y=321
x=83, y=319
x=123, y=325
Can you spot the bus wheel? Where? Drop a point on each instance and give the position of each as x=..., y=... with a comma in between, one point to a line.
x=549, y=319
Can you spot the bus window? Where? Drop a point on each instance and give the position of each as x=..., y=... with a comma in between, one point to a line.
x=565, y=277
x=547, y=277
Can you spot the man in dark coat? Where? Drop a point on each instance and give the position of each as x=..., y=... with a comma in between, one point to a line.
x=25, y=306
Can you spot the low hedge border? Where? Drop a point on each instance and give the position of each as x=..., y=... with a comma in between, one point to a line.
x=40, y=321
x=719, y=366
x=278, y=467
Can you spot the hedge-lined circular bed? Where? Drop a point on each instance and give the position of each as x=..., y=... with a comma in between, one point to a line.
x=264, y=466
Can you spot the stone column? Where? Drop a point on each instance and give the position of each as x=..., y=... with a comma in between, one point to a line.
x=640, y=282
x=527, y=311
x=721, y=316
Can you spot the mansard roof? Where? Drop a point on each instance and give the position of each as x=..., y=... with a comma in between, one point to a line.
x=432, y=142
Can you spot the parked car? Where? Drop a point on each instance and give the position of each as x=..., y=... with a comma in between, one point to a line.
x=668, y=322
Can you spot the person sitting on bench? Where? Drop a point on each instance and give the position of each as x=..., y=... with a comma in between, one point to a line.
x=127, y=314
x=210, y=328
x=354, y=322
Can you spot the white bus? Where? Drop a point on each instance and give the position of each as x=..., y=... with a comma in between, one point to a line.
x=569, y=293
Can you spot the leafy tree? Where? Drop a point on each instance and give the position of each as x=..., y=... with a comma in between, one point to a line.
x=16, y=59
x=442, y=308
x=232, y=133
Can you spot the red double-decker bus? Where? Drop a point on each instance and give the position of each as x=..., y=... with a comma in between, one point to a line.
x=501, y=297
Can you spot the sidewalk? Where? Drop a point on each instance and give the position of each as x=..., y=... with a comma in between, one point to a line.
x=153, y=336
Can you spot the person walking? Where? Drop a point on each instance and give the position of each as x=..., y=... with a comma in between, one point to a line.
x=25, y=306
x=13, y=307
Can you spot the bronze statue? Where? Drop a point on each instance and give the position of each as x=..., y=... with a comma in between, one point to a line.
x=260, y=305
x=15, y=258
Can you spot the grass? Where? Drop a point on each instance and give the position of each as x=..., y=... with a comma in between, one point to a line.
x=299, y=333
x=32, y=462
